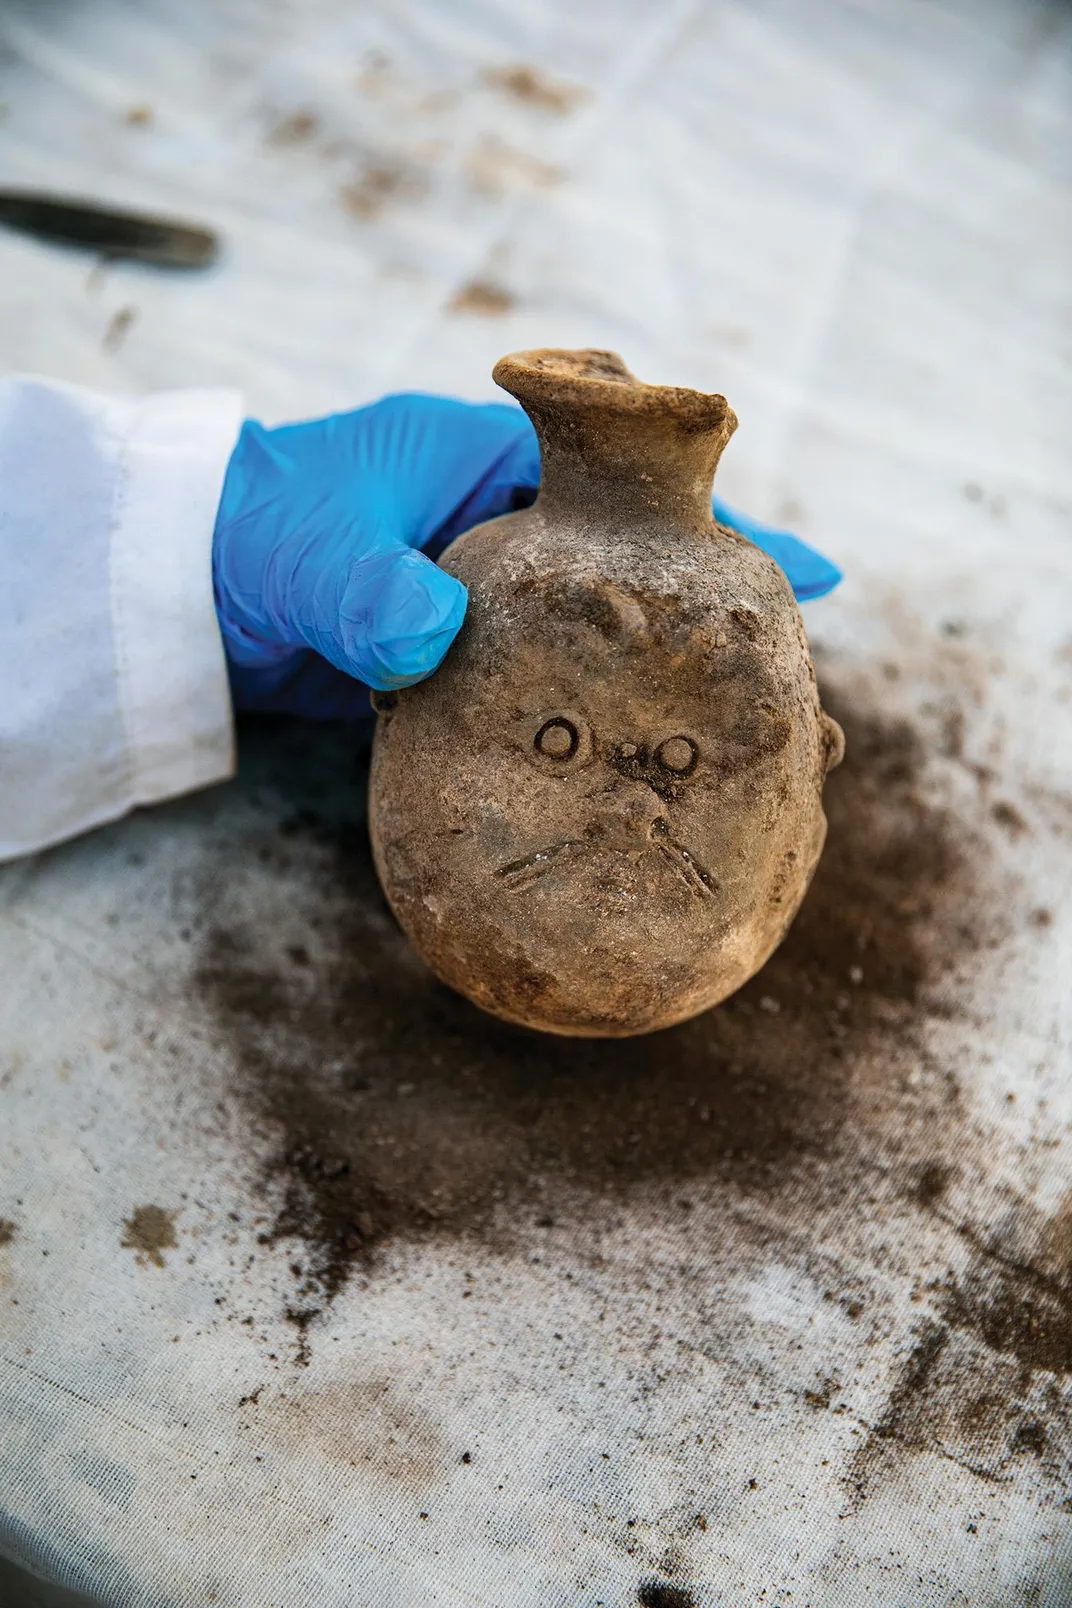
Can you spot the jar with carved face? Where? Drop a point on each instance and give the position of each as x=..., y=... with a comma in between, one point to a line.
x=600, y=816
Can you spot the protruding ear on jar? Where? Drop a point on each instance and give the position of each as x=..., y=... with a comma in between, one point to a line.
x=382, y=702
x=833, y=740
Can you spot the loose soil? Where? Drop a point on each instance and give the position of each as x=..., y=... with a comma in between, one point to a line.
x=385, y=1110
x=398, y=1110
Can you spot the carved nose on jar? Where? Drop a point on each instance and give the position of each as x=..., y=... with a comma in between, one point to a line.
x=627, y=811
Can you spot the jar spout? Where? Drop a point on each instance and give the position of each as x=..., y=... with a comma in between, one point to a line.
x=648, y=452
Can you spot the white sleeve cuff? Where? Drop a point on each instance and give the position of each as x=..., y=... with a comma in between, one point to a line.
x=113, y=681
x=173, y=692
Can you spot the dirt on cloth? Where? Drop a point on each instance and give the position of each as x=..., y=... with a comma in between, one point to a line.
x=149, y=1231
x=384, y=1109
x=397, y=1109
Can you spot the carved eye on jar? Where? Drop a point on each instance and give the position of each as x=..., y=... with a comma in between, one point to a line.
x=678, y=755
x=557, y=739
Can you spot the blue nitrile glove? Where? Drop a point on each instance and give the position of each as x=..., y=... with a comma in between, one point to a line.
x=322, y=589
x=320, y=582
x=809, y=573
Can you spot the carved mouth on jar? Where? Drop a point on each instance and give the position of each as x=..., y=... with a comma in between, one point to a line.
x=628, y=850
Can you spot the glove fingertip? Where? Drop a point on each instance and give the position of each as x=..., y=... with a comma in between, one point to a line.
x=820, y=577
x=810, y=573
x=410, y=613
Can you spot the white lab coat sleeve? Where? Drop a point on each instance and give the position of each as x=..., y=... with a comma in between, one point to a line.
x=113, y=682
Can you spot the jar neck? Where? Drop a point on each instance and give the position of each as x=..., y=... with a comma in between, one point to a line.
x=626, y=465
x=643, y=453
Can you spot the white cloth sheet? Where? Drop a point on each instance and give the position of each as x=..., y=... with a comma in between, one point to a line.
x=318, y=1288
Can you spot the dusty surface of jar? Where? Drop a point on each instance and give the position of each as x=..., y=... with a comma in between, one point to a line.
x=601, y=814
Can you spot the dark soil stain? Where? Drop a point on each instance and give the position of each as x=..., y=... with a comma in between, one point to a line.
x=986, y=1412
x=8, y=1230
x=1017, y=1291
x=118, y=328
x=396, y=1109
x=988, y=1379
x=294, y=129
x=1030, y=1436
x=1017, y=1312
x=655, y=1594
x=1008, y=816
x=901, y=1420
x=932, y=1181
x=381, y=182
x=149, y=1230
x=483, y=297
x=820, y=1399
x=532, y=87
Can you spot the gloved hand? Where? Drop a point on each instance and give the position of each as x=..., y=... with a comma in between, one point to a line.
x=322, y=585
x=320, y=581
